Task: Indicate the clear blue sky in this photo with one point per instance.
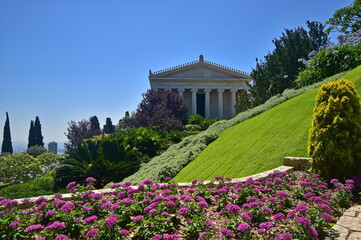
(68, 60)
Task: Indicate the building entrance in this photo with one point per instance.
(201, 102)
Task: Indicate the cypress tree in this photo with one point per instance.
(94, 126)
(37, 132)
(31, 138)
(7, 146)
(108, 127)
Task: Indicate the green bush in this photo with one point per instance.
(330, 61)
(108, 159)
(35, 150)
(200, 121)
(35, 187)
(335, 136)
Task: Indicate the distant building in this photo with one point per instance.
(209, 88)
(53, 147)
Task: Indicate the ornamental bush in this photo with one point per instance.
(334, 142)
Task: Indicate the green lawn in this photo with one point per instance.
(260, 143)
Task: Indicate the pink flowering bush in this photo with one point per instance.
(279, 206)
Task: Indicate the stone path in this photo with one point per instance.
(348, 227)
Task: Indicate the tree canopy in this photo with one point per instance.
(347, 19)
(167, 110)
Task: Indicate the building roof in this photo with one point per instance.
(200, 63)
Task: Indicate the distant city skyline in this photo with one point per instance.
(69, 60)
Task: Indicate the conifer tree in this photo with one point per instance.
(31, 138)
(7, 146)
(108, 127)
(94, 126)
(334, 142)
(37, 132)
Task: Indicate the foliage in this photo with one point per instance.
(78, 131)
(329, 61)
(7, 146)
(166, 110)
(243, 101)
(202, 122)
(125, 122)
(107, 159)
(347, 19)
(278, 206)
(108, 127)
(147, 142)
(43, 185)
(20, 167)
(35, 150)
(335, 137)
(279, 69)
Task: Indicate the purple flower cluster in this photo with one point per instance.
(279, 206)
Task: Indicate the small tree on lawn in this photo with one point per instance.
(166, 110)
(334, 142)
(7, 146)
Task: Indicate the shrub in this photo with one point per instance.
(108, 159)
(200, 121)
(335, 136)
(35, 150)
(329, 61)
(39, 186)
(166, 110)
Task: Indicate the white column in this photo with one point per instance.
(207, 103)
(233, 102)
(180, 91)
(194, 101)
(220, 103)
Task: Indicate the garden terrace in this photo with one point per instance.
(280, 205)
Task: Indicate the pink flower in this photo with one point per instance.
(70, 185)
(55, 225)
(124, 232)
(242, 227)
(137, 218)
(34, 228)
(90, 180)
(156, 237)
(14, 224)
(92, 233)
(60, 237)
(233, 208)
(90, 219)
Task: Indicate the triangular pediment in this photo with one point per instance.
(200, 72)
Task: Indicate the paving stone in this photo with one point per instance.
(355, 236)
(349, 213)
(351, 223)
(338, 232)
(356, 208)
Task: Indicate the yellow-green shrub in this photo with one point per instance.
(335, 136)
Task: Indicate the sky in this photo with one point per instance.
(72, 59)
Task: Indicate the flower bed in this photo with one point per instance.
(279, 206)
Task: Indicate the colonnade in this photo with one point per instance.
(207, 92)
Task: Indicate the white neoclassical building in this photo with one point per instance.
(210, 89)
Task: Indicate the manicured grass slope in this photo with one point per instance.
(260, 143)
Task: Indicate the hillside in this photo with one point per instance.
(259, 143)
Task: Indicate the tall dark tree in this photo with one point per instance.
(37, 133)
(7, 146)
(108, 127)
(31, 138)
(94, 125)
(279, 69)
